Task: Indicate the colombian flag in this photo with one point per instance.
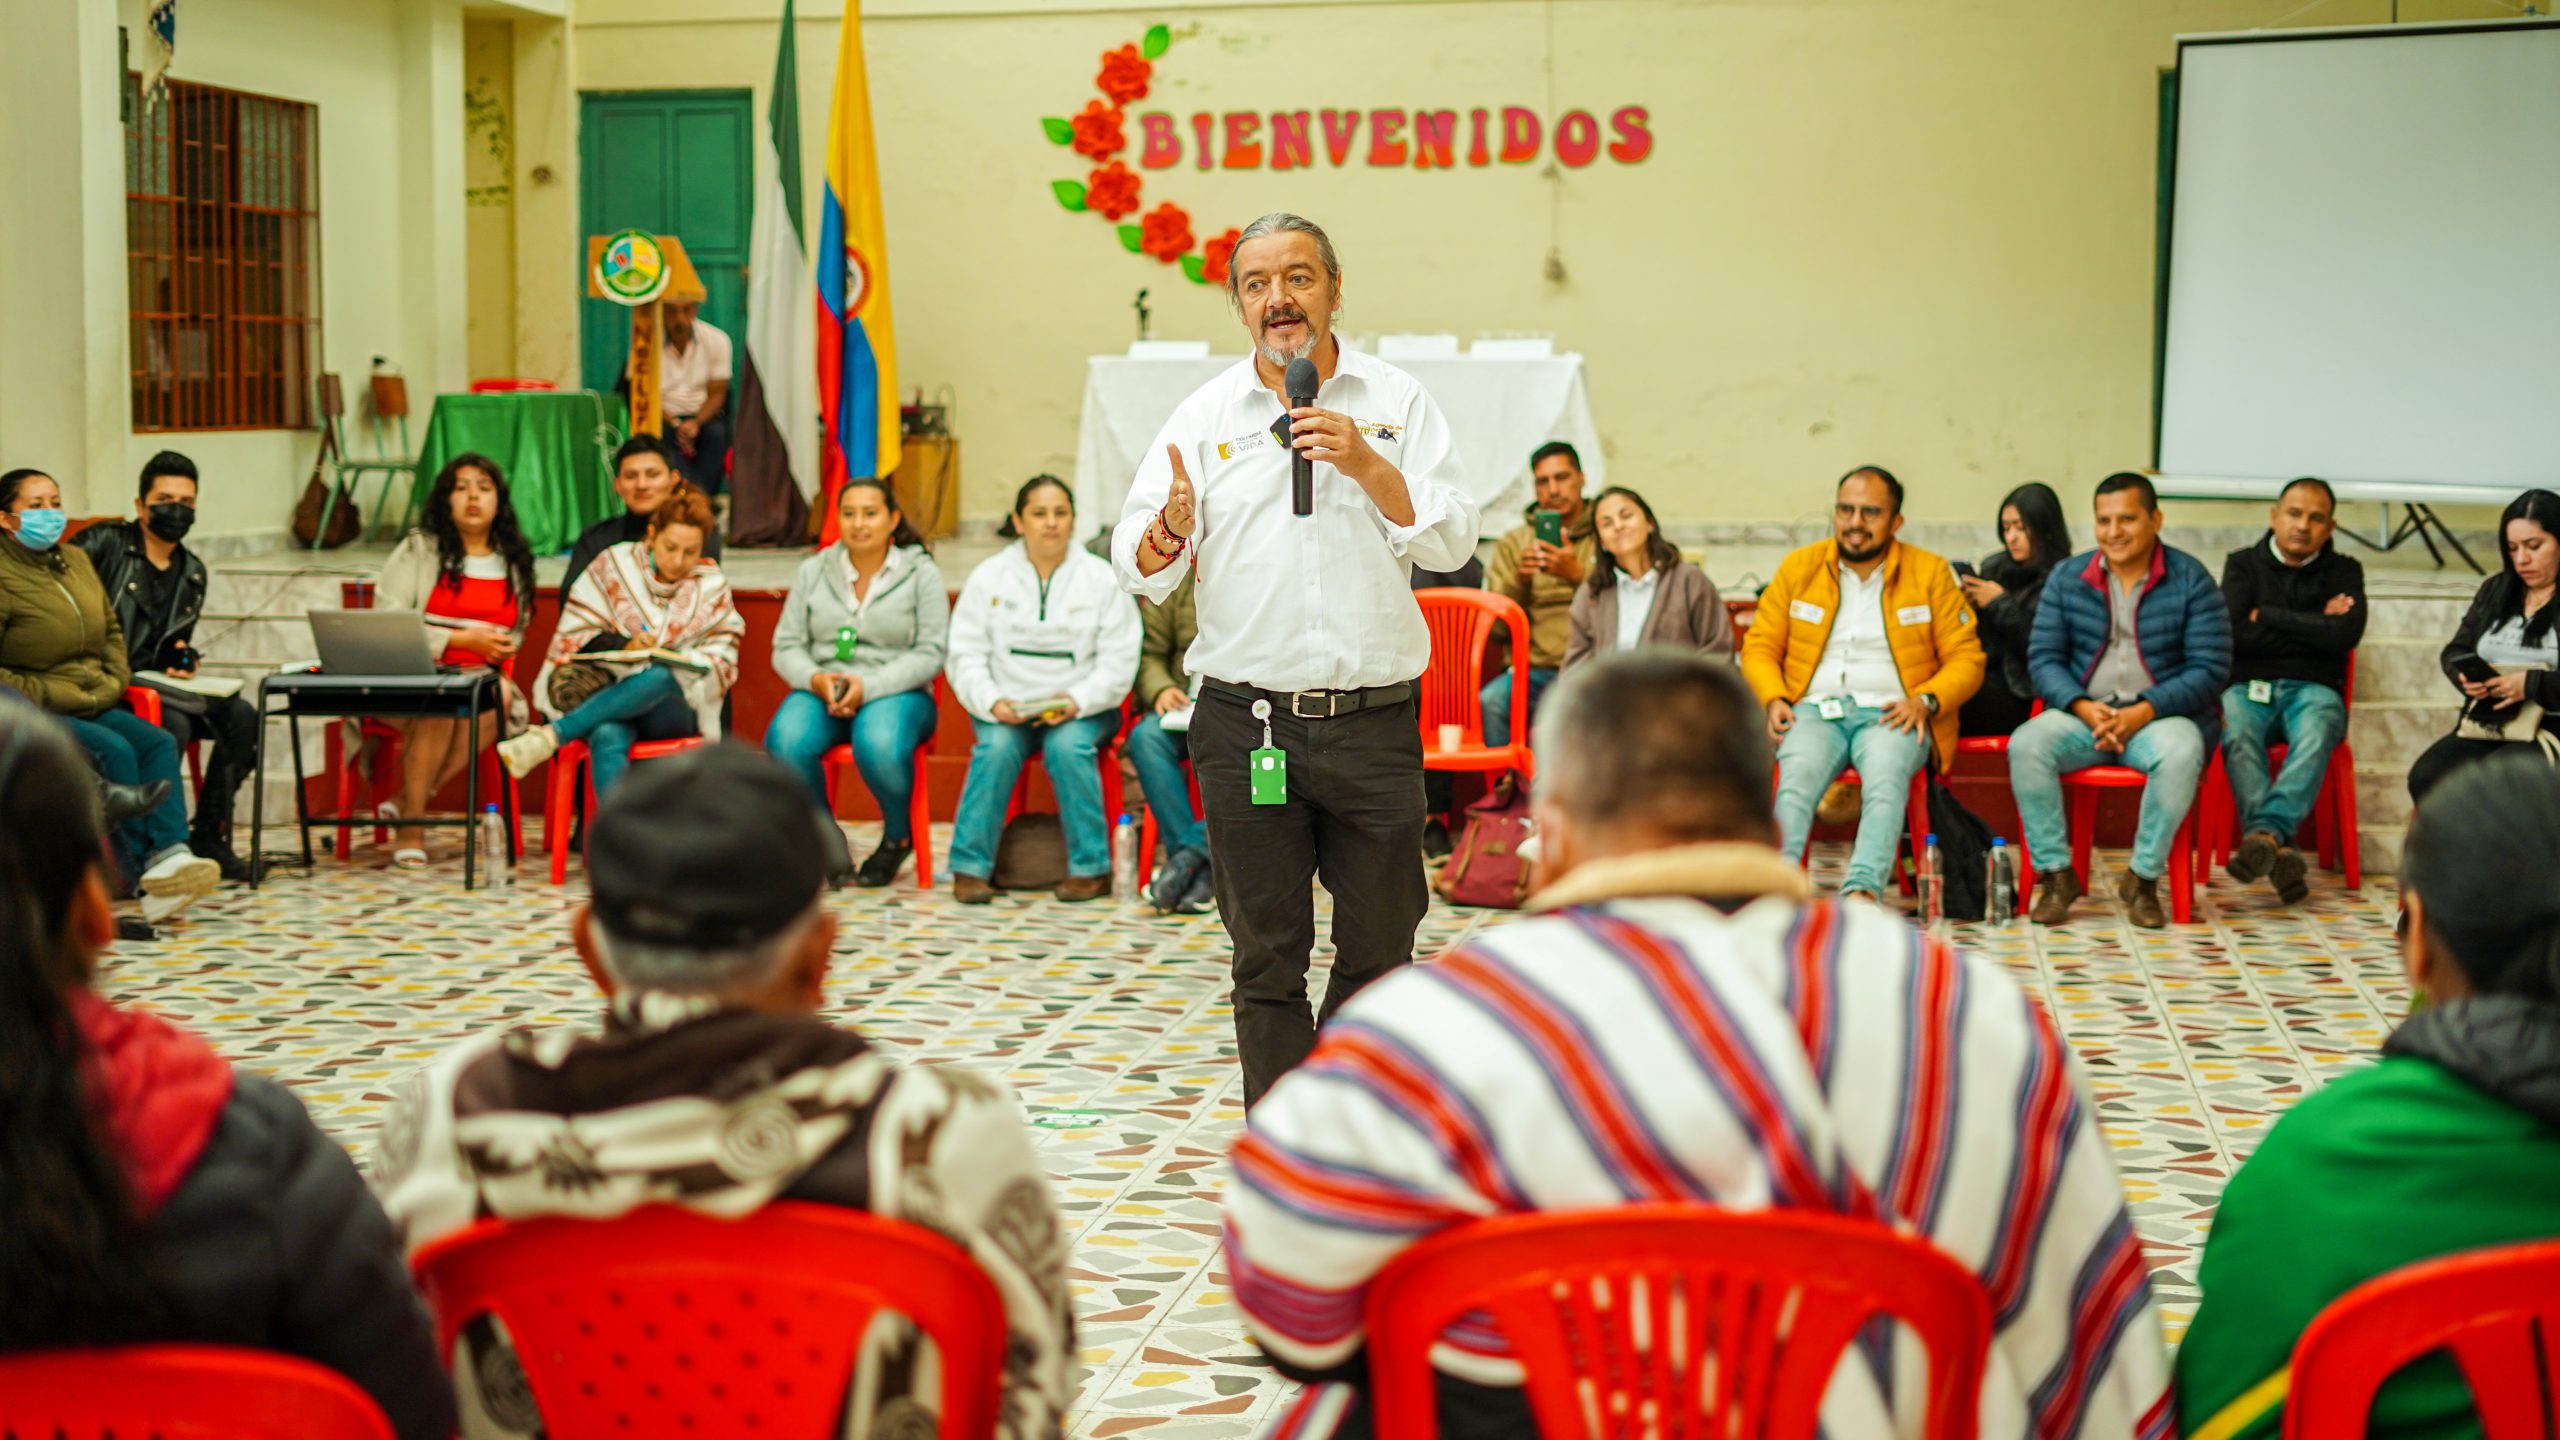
(857, 347)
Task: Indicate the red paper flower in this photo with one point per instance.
(1111, 191)
(1217, 255)
(1124, 75)
(1165, 233)
(1098, 131)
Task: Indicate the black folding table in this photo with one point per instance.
(459, 695)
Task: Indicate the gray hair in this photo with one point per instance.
(685, 970)
(1662, 737)
(1280, 222)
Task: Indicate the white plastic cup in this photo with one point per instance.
(1452, 737)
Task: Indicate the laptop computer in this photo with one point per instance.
(376, 642)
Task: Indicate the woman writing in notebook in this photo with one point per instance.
(646, 650)
(468, 569)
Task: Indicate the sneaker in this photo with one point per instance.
(1202, 894)
(972, 889)
(1860, 894)
(2291, 875)
(528, 750)
(2255, 857)
(1174, 880)
(177, 879)
(2141, 897)
(882, 865)
(2055, 890)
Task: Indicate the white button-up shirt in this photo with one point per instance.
(1635, 606)
(1320, 602)
(1857, 661)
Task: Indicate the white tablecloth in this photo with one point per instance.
(1501, 408)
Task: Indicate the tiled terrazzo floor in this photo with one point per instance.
(1113, 1026)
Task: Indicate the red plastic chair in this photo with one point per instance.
(495, 781)
(568, 768)
(182, 1392)
(509, 385)
(1915, 814)
(665, 1322)
(144, 701)
(2333, 815)
(1674, 1319)
(1461, 623)
(919, 808)
(2080, 790)
(1106, 755)
(2497, 1310)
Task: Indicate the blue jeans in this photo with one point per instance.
(885, 735)
(1158, 753)
(1497, 702)
(2169, 751)
(2311, 719)
(132, 751)
(1068, 750)
(647, 706)
(1812, 754)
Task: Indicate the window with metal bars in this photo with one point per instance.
(222, 237)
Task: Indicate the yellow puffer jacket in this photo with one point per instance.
(1937, 649)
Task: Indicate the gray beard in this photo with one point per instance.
(1281, 357)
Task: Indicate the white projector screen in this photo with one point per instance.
(2364, 260)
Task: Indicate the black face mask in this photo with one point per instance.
(171, 521)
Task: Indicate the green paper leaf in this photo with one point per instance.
(1060, 132)
(1070, 193)
(1197, 268)
(1129, 238)
(1159, 39)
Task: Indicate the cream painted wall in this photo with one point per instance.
(488, 176)
(1919, 233)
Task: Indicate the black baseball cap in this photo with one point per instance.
(709, 849)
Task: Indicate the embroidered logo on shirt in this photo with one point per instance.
(1243, 444)
(1378, 430)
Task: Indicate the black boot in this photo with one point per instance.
(131, 802)
(213, 842)
(881, 866)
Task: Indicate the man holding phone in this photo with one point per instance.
(1540, 563)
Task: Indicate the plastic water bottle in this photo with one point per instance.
(1124, 858)
(2000, 886)
(491, 834)
(1933, 891)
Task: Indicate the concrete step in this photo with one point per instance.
(2390, 734)
(2390, 668)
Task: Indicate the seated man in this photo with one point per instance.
(157, 587)
(644, 474)
(1683, 1025)
(2297, 615)
(1542, 578)
(715, 1085)
(693, 387)
(2130, 652)
(1182, 883)
(1863, 651)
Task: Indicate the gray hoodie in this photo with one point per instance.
(899, 633)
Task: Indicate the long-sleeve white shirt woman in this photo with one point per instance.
(1014, 637)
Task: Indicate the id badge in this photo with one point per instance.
(1831, 708)
(845, 635)
(1270, 776)
(2262, 692)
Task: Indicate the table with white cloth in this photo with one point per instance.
(1500, 408)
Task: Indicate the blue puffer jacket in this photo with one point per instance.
(2180, 624)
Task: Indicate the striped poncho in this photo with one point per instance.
(1640, 1044)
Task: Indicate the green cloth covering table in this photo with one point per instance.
(556, 447)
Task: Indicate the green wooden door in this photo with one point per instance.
(672, 162)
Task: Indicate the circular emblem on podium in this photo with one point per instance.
(633, 269)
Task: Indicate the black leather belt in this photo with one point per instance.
(1318, 704)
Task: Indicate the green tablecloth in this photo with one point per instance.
(556, 447)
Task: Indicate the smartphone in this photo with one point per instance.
(1548, 526)
(1964, 570)
(2476, 670)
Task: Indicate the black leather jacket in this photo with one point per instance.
(116, 549)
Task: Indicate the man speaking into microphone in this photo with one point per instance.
(1307, 739)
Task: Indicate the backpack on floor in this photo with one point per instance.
(1964, 853)
(1485, 868)
(1031, 854)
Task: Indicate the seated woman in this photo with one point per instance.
(1640, 591)
(468, 565)
(2451, 1141)
(654, 593)
(61, 646)
(861, 637)
(151, 1192)
(1044, 646)
(2509, 630)
(2005, 591)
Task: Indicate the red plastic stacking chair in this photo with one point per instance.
(2497, 1310)
(1461, 623)
(181, 1392)
(1674, 1320)
(568, 768)
(664, 1322)
(1106, 755)
(1915, 817)
(144, 701)
(919, 809)
(2080, 790)
(2333, 815)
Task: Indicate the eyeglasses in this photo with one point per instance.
(1869, 513)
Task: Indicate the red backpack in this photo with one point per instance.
(1486, 869)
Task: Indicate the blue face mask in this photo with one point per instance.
(42, 529)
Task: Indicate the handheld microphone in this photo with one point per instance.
(1301, 383)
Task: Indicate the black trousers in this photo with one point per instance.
(707, 468)
(2452, 753)
(231, 724)
(1354, 818)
